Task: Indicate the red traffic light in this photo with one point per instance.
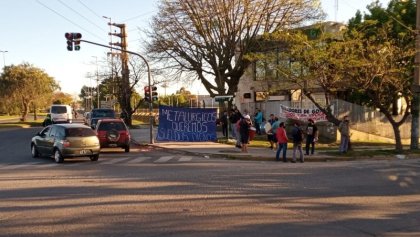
(73, 36)
(146, 89)
(69, 36)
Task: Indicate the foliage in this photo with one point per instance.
(207, 39)
(372, 59)
(25, 85)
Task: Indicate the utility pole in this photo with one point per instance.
(415, 107)
(125, 88)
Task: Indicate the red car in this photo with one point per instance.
(113, 133)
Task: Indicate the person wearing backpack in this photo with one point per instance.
(297, 137)
(311, 137)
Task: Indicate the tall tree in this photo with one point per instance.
(24, 83)
(208, 39)
(376, 66)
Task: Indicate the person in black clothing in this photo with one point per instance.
(224, 121)
(297, 136)
(311, 136)
(244, 126)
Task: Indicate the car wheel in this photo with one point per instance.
(58, 157)
(34, 151)
(94, 157)
(127, 148)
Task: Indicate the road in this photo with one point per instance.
(151, 192)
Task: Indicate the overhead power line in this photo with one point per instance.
(81, 15)
(93, 12)
(67, 19)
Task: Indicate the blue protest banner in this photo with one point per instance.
(186, 124)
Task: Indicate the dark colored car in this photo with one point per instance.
(97, 114)
(66, 140)
(113, 133)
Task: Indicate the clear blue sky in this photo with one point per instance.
(33, 31)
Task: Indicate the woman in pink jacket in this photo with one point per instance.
(282, 142)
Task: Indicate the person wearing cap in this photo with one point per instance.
(244, 127)
(311, 137)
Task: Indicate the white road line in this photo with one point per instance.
(163, 159)
(14, 167)
(114, 161)
(138, 160)
(185, 158)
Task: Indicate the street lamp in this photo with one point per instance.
(4, 59)
(97, 81)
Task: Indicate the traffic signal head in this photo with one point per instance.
(154, 93)
(147, 94)
(73, 37)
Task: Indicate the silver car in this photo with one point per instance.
(64, 141)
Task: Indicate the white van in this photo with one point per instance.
(61, 114)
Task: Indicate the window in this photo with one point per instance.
(79, 132)
(58, 109)
(112, 126)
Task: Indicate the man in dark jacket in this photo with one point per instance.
(297, 136)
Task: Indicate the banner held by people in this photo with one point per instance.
(302, 114)
(186, 124)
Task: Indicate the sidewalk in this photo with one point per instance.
(220, 150)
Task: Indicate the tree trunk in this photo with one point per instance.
(397, 134)
(25, 111)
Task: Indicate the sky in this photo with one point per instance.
(32, 31)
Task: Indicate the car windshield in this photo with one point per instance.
(103, 114)
(79, 132)
(58, 109)
(119, 126)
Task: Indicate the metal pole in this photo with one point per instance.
(4, 58)
(415, 111)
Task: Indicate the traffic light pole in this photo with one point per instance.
(151, 120)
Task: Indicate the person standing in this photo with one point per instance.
(269, 132)
(297, 136)
(311, 137)
(344, 128)
(282, 142)
(274, 128)
(224, 122)
(258, 119)
(244, 127)
(233, 118)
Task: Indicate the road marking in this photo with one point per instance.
(163, 159)
(138, 160)
(185, 158)
(115, 160)
(13, 167)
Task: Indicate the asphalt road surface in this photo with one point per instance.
(150, 192)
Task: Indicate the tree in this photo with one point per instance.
(377, 66)
(24, 84)
(207, 39)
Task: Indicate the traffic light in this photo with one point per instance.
(73, 37)
(69, 37)
(154, 93)
(76, 38)
(147, 97)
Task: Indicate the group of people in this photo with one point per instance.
(277, 135)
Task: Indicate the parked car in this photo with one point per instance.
(113, 133)
(86, 118)
(97, 114)
(64, 141)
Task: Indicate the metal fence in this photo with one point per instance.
(362, 118)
